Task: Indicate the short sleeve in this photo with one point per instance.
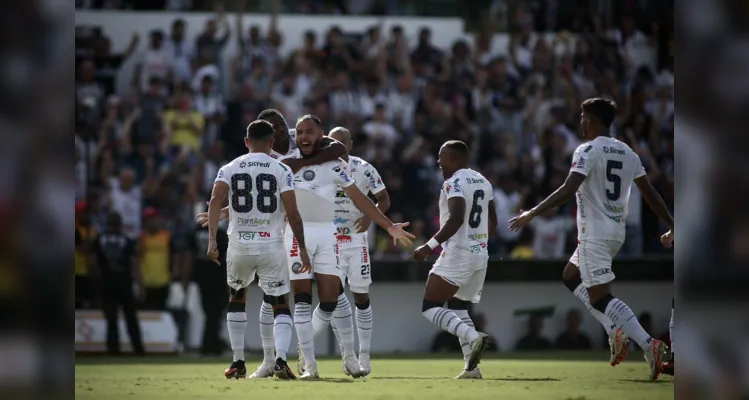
(582, 161)
(223, 175)
(639, 168)
(452, 188)
(341, 175)
(287, 179)
(374, 184)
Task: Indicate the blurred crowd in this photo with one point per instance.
(151, 152)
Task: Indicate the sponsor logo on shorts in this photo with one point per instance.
(294, 252)
(276, 284)
(235, 281)
(477, 248)
(296, 267)
(248, 235)
(308, 175)
(604, 271)
(252, 221)
(365, 255)
(340, 221)
(344, 238)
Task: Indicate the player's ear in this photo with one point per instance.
(247, 143)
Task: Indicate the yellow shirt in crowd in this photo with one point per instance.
(183, 132)
(81, 263)
(155, 258)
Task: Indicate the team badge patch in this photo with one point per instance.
(296, 267)
(308, 175)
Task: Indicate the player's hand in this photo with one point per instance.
(306, 263)
(362, 224)
(421, 253)
(213, 251)
(521, 220)
(294, 163)
(399, 235)
(667, 239)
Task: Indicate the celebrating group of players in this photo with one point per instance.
(307, 180)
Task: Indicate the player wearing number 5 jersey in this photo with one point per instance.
(467, 215)
(261, 196)
(601, 177)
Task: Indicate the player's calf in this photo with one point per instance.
(236, 321)
(364, 322)
(460, 308)
(303, 326)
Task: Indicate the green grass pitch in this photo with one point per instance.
(574, 376)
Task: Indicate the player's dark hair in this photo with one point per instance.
(457, 146)
(312, 117)
(266, 115)
(602, 110)
(259, 130)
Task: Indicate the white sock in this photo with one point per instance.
(344, 325)
(671, 331)
(447, 320)
(282, 334)
(465, 346)
(364, 328)
(581, 292)
(624, 318)
(335, 332)
(237, 324)
(266, 334)
(304, 332)
(320, 320)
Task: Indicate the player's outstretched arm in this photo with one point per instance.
(383, 204)
(655, 201)
(559, 197)
(297, 226)
(365, 205)
(218, 196)
(457, 208)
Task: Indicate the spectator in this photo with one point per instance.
(126, 200)
(207, 43)
(84, 233)
(155, 255)
(184, 127)
(550, 234)
(89, 93)
(524, 249)
(155, 62)
(117, 264)
(572, 338)
(146, 120)
(209, 103)
(507, 202)
(533, 339)
(181, 51)
(379, 129)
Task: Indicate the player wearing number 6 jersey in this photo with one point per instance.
(261, 196)
(467, 215)
(601, 177)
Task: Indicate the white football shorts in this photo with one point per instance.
(466, 271)
(270, 267)
(322, 248)
(593, 258)
(355, 266)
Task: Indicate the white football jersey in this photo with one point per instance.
(368, 180)
(256, 212)
(293, 150)
(316, 187)
(610, 166)
(478, 192)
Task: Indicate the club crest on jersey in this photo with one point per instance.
(296, 267)
(308, 175)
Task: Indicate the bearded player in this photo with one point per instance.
(316, 187)
(601, 177)
(467, 215)
(260, 189)
(353, 243)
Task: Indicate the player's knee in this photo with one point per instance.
(275, 300)
(236, 307)
(427, 305)
(361, 300)
(328, 306)
(237, 295)
(458, 304)
(282, 310)
(302, 298)
(601, 303)
(572, 282)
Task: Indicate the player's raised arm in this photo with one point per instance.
(331, 150)
(288, 197)
(218, 196)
